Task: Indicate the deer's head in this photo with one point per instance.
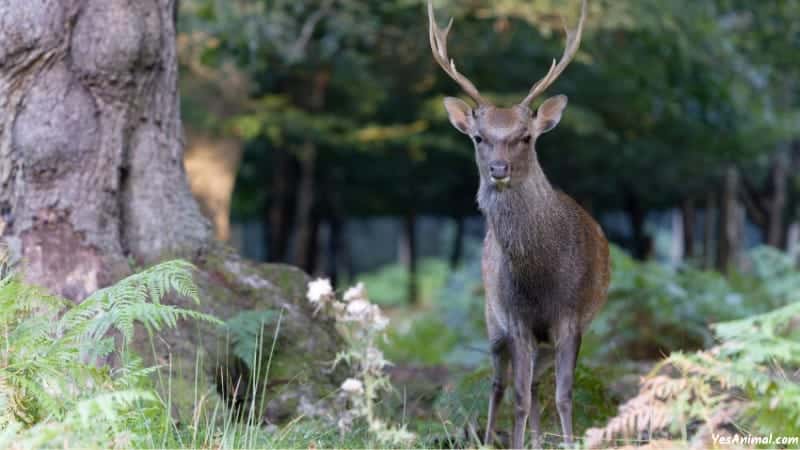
(504, 138)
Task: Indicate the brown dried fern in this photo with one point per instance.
(677, 393)
(642, 416)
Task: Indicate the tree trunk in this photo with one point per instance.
(730, 222)
(776, 203)
(767, 206)
(278, 211)
(91, 151)
(92, 175)
(312, 249)
(458, 244)
(334, 253)
(641, 243)
(689, 219)
(337, 249)
(305, 203)
(677, 249)
(793, 241)
(408, 254)
(307, 157)
(211, 166)
(709, 225)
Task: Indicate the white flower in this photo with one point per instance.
(379, 321)
(358, 308)
(319, 289)
(374, 361)
(353, 386)
(339, 307)
(357, 292)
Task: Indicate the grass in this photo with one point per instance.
(440, 345)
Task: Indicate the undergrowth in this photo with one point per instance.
(653, 309)
(737, 376)
(746, 384)
(57, 388)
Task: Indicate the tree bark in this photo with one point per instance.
(91, 148)
(731, 223)
(92, 175)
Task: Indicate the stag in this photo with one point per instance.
(545, 261)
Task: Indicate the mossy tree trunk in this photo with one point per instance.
(91, 149)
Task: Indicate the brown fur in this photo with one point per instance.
(545, 264)
(545, 260)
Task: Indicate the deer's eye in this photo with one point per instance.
(478, 139)
(527, 139)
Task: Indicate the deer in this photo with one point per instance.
(545, 262)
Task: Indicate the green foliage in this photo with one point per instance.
(653, 309)
(465, 403)
(248, 331)
(450, 328)
(52, 392)
(388, 286)
(688, 87)
(745, 385)
(761, 354)
(424, 340)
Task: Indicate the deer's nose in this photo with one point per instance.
(498, 170)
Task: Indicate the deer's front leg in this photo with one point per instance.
(499, 380)
(522, 367)
(542, 360)
(566, 357)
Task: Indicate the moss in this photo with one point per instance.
(299, 364)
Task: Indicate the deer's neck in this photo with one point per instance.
(523, 217)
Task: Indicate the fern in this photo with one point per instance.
(745, 384)
(248, 330)
(51, 391)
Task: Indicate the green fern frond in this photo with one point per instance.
(51, 391)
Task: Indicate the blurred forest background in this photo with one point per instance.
(315, 136)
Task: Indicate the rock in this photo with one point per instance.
(294, 379)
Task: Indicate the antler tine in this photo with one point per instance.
(573, 42)
(438, 37)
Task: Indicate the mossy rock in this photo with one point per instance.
(200, 358)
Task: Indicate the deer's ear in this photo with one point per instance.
(460, 114)
(549, 113)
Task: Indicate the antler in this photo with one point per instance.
(573, 42)
(438, 38)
